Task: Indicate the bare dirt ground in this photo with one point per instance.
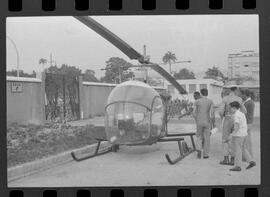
(146, 165)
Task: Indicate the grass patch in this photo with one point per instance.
(27, 143)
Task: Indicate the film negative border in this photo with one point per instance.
(139, 7)
(50, 7)
(185, 192)
(83, 5)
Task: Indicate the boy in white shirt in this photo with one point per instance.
(237, 136)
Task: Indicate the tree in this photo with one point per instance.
(43, 62)
(214, 73)
(184, 74)
(59, 82)
(72, 83)
(89, 75)
(117, 71)
(53, 87)
(169, 58)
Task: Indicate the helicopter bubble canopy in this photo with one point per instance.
(134, 114)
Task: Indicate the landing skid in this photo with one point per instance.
(113, 148)
(178, 158)
(183, 148)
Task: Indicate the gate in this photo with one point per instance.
(62, 97)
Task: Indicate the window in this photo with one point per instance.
(192, 88)
(203, 86)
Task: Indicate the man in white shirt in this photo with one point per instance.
(238, 135)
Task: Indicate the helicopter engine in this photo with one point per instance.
(134, 114)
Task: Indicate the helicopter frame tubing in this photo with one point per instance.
(112, 148)
(184, 150)
(178, 137)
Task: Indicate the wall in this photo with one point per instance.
(26, 106)
(214, 89)
(94, 98)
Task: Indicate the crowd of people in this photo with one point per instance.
(236, 112)
(176, 107)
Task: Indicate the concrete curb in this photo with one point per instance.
(30, 168)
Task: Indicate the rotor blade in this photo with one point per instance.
(167, 76)
(111, 37)
(126, 49)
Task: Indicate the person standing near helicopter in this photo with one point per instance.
(196, 95)
(227, 124)
(204, 116)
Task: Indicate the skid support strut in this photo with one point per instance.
(112, 148)
(184, 150)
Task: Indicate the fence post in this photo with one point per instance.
(64, 96)
(42, 97)
(81, 97)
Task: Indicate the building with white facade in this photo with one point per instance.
(244, 64)
(214, 88)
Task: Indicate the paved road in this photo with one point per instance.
(146, 165)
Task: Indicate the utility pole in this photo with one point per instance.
(119, 73)
(17, 53)
(64, 97)
(145, 68)
(51, 60)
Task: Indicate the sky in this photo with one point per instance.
(205, 40)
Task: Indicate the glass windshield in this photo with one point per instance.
(127, 123)
(130, 93)
(157, 116)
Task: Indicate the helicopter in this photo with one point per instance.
(136, 114)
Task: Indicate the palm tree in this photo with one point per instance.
(43, 62)
(169, 58)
